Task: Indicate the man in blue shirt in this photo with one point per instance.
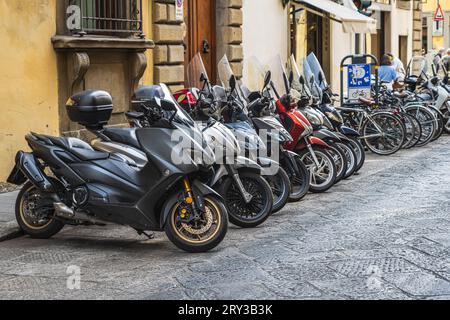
(386, 72)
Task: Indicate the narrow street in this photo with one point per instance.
(381, 235)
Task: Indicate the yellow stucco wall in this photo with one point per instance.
(28, 75)
(431, 6)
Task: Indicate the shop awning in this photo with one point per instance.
(352, 21)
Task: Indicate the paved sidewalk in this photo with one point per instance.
(381, 235)
(8, 225)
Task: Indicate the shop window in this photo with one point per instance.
(107, 17)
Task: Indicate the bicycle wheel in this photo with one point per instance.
(440, 124)
(417, 133)
(427, 122)
(413, 130)
(383, 133)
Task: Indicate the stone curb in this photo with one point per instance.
(9, 230)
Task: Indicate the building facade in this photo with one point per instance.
(55, 48)
(436, 34)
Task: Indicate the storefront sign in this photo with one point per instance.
(179, 10)
(359, 81)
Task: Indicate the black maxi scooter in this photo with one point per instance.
(88, 187)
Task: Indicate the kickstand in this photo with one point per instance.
(150, 236)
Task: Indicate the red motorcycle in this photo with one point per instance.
(312, 150)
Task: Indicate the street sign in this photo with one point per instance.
(359, 82)
(439, 14)
(179, 10)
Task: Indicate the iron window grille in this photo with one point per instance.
(110, 17)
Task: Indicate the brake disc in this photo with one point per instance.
(209, 221)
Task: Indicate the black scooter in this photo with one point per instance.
(88, 187)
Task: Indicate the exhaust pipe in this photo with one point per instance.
(63, 211)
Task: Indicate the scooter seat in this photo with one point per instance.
(78, 148)
(123, 135)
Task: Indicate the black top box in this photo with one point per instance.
(91, 109)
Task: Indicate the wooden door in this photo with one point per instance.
(200, 19)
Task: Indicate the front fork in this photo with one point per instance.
(195, 201)
(237, 180)
(313, 154)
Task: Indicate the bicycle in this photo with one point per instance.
(382, 132)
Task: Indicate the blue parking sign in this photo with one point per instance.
(359, 81)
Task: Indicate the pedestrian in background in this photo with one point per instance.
(386, 72)
(398, 66)
(438, 57)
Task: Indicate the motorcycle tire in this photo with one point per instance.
(186, 237)
(255, 213)
(281, 189)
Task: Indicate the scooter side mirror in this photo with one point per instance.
(302, 80)
(321, 77)
(291, 77)
(203, 78)
(267, 79)
(233, 83)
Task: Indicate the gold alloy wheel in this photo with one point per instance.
(24, 209)
(212, 218)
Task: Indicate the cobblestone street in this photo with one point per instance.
(381, 235)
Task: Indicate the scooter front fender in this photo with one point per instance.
(269, 167)
(318, 142)
(326, 135)
(349, 132)
(248, 164)
(342, 137)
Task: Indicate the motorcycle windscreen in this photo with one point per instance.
(255, 73)
(179, 115)
(418, 67)
(294, 69)
(226, 73)
(317, 70)
(195, 71)
(280, 80)
(311, 81)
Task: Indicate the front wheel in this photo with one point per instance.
(299, 177)
(253, 213)
(281, 189)
(351, 158)
(360, 153)
(447, 122)
(198, 234)
(323, 173)
(35, 213)
(340, 160)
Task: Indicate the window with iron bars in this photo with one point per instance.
(110, 17)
